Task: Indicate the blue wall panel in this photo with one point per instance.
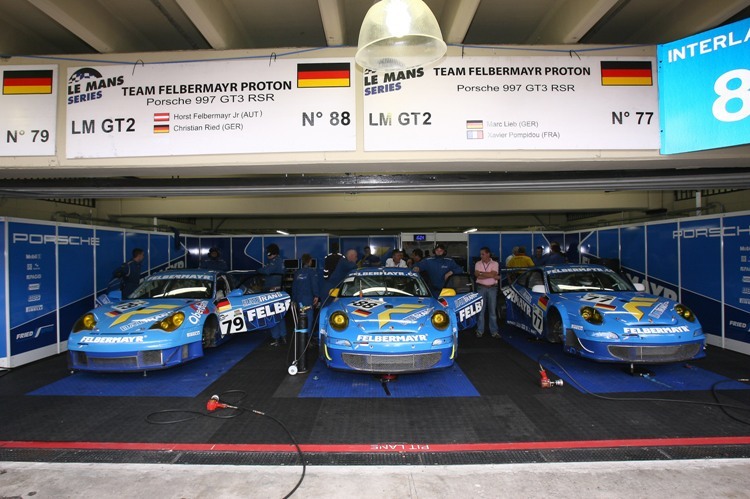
(633, 248)
(662, 251)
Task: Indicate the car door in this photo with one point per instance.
(458, 293)
(526, 303)
(251, 307)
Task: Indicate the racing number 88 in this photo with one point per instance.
(365, 304)
(727, 94)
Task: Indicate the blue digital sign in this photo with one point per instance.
(704, 90)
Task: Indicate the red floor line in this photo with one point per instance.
(380, 448)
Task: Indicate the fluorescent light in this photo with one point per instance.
(282, 232)
(473, 229)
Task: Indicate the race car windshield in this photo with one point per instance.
(572, 282)
(175, 288)
(384, 285)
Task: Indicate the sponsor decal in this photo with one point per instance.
(162, 277)
(193, 333)
(418, 315)
(659, 310)
(124, 307)
(20, 237)
(390, 338)
(656, 330)
(463, 300)
(581, 268)
(267, 310)
(366, 304)
(361, 313)
(112, 339)
(470, 311)
(577, 327)
(199, 310)
(254, 300)
(516, 299)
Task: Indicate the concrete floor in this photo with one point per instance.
(717, 478)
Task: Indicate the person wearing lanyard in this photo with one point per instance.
(487, 272)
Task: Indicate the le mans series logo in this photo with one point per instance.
(380, 83)
(86, 84)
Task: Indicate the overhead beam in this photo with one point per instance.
(456, 18)
(92, 23)
(568, 21)
(334, 22)
(215, 23)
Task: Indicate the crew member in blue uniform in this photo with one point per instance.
(438, 269)
(274, 272)
(306, 289)
(214, 261)
(130, 273)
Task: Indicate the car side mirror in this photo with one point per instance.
(115, 295)
(235, 293)
(639, 286)
(538, 288)
(447, 292)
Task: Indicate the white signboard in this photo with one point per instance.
(504, 103)
(216, 107)
(28, 115)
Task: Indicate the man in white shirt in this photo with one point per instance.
(396, 260)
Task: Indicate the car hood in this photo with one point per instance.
(373, 315)
(131, 316)
(628, 308)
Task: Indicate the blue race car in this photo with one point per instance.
(385, 320)
(598, 314)
(171, 318)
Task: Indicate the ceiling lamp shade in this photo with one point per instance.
(399, 34)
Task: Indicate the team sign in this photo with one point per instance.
(29, 110)
(494, 103)
(216, 107)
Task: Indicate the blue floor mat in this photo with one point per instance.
(599, 377)
(323, 382)
(187, 380)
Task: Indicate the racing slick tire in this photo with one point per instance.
(555, 332)
(210, 328)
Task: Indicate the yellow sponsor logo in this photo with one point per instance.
(635, 305)
(385, 316)
(154, 309)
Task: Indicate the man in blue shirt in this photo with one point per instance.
(130, 273)
(342, 269)
(438, 269)
(274, 272)
(555, 255)
(214, 261)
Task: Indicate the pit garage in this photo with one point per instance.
(178, 129)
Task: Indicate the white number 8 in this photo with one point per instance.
(726, 94)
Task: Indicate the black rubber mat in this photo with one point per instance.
(512, 408)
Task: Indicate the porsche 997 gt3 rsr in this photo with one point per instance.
(598, 314)
(171, 318)
(385, 320)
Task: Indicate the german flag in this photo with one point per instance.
(161, 128)
(627, 73)
(31, 82)
(324, 75)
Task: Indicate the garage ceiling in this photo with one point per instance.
(58, 27)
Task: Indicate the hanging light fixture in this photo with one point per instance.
(399, 34)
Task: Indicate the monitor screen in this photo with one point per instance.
(420, 237)
(291, 264)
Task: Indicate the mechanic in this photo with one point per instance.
(306, 289)
(396, 259)
(538, 255)
(438, 269)
(416, 257)
(555, 255)
(214, 261)
(274, 272)
(130, 272)
(369, 260)
(343, 268)
(487, 272)
(331, 260)
(521, 259)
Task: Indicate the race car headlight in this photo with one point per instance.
(338, 320)
(591, 315)
(698, 332)
(170, 323)
(684, 312)
(85, 323)
(340, 342)
(440, 320)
